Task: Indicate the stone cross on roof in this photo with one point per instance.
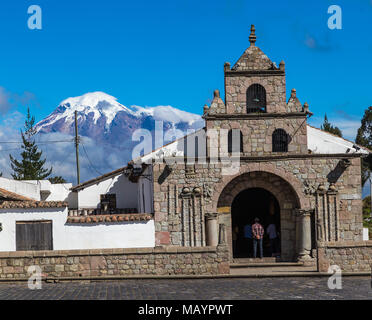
(252, 36)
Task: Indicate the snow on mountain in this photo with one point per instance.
(99, 106)
(96, 104)
(168, 113)
(110, 124)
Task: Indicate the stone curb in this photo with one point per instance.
(190, 277)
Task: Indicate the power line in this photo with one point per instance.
(91, 165)
(37, 142)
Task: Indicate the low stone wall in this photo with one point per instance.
(116, 262)
(350, 256)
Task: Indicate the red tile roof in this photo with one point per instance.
(32, 204)
(116, 218)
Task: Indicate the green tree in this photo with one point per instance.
(31, 167)
(364, 138)
(57, 179)
(326, 126)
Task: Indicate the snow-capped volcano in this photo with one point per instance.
(94, 105)
(99, 107)
(102, 118)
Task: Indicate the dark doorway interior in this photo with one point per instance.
(247, 205)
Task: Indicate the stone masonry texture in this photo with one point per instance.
(116, 262)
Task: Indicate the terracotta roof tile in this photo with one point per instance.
(113, 218)
(32, 204)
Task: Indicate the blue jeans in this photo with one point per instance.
(255, 241)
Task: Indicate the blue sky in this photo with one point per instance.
(151, 53)
(172, 52)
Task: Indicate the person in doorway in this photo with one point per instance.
(258, 232)
(273, 237)
(235, 234)
(248, 238)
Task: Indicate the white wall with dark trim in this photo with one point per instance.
(77, 236)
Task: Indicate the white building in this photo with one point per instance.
(38, 215)
(114, 210)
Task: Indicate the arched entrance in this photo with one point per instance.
(247, 205)
(286, 201)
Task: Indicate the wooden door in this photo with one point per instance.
(34, 235)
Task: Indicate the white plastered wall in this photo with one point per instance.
(77, 236)
(145, 192)
(125, 190)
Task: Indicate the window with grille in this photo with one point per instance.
(238, 146)
(280, 141)
(256, 99)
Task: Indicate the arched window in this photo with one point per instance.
(256, 98)
(280, 140)
(230, 142)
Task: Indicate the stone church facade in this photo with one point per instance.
(182, 209)
(315, 197)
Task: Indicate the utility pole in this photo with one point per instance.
(77, 140)
(370, 191)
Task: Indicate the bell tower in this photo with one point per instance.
(255, 103)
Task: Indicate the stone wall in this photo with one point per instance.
(350, 256)
(116, 262)
(236, 86)
(257, 133)
(184, 192)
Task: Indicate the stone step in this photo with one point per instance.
(255, 260)
(266, 264)
(274, 270)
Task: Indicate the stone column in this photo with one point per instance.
(303, 234)
(211, 229)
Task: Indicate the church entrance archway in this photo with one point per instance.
(247, 205)
(274, 187)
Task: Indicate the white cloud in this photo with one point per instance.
(5, 104)
(61, 155)
(9, 100)
(169, 113)
(366, 189)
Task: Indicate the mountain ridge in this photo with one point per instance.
(111, 124)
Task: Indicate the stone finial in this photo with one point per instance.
(226, 66)
(186, 190)
(321, 187)
(205, 109)
(252, 36)
(216, 93)
(332, 187)
(306, 107)
(293, 93)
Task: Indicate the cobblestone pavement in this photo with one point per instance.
(264, 288)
